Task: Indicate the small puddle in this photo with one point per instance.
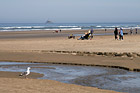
(101, 77)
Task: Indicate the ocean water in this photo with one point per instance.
(64, 26)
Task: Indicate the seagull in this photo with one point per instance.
(26, 73)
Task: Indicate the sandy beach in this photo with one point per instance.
(50, 47)
(10, 85)
(47, 40)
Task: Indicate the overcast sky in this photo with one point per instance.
(69, 11)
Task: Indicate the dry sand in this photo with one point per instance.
(59, 42)
(35, 46)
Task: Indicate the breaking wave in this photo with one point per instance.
(64, 26)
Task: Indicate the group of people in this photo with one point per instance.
(88, 35)
(71, 36)
(120, 34)
(56, 31)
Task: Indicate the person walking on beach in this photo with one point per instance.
(131, 31)
(105, 30)
(116, 33)
(60, 30)
(121, 34)
(136, 30)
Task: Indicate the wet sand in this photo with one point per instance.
(37, 46)
(101, 77)
(127, 63)
(13, 85)
(4, 74)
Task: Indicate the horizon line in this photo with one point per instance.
(61, 22)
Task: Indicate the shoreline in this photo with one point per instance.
(7, 74)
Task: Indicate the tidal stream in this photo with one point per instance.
(101, 77)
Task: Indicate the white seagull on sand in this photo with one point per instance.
(26, 73)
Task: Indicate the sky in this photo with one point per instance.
(69, 11)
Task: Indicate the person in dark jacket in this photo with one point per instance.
(116, 33)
